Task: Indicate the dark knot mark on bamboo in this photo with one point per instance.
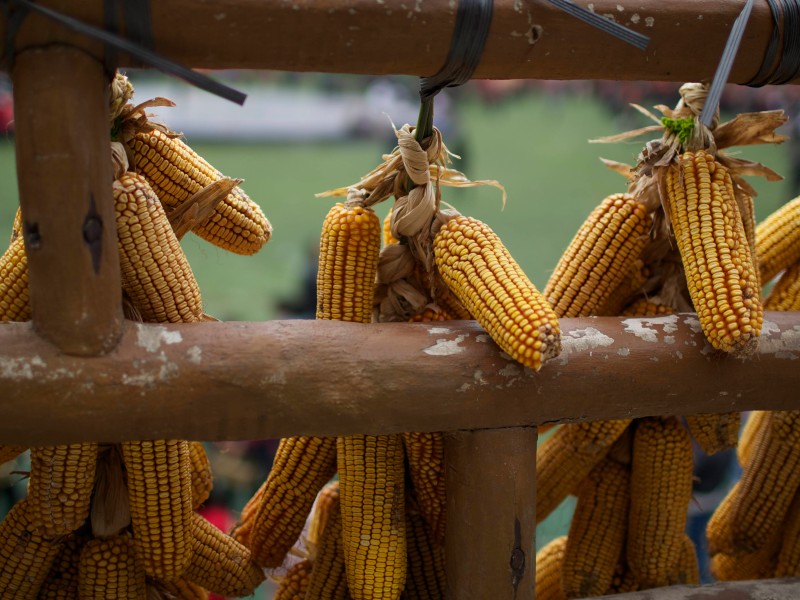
(32, 235)
(93, 233)
(517, 561)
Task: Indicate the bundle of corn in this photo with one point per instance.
(175, 173)
(778, 251)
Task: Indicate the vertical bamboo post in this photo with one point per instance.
(491, 514)
(64, 172)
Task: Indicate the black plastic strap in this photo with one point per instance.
(763, 76)
(785, 17)
(607, 25)
(119, 43)
(725, 64)
(15, 15)
(471, 29)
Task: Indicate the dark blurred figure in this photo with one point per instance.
(303, 305)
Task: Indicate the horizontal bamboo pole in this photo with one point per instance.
(235, 381)
(528, 39)
(774, 589)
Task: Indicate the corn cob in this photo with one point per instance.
(768, 483)
(661, 489)
(15, 300)
(719, 530)
(549, 569)
(243, 530)
(426, 567)
(373, 515)
(16, 226)
(597, 531)
(25, 555)
(778, 240)
(601, 254)
(9, 453)
(485, 278)
(565, 458)
(294, 585)
(643, 307)
(349, 247)
(720, 271)
(786, 293)
(180, 589)
(160, 496)
(425, 456)
(432, 314)
(155, 272)
(788, 555)
(202, 480)
(61, 582)
(219, 563)
(747, 210)
(388, 238)
(623, 580)
(109, 570)
(746, 566)
(60, 486)
(303, 465)
(687, 570)
(752, 434)
(620, 297)
(715, 432)
(328, 580)
(326, 504)
(176, 173)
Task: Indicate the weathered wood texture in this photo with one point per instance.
(64, 172)
(216, 381)
(491, 505)
(528, 38)
(768, 589)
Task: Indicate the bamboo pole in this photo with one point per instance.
(64, 171)
(229, 381)
(491, 504)
(774, 589)
(528, 39)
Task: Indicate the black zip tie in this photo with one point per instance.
(627, 35)
(725, 64)
(788, 67)
(147, 56)
(764, 74)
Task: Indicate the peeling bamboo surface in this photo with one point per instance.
(772, 589)
(527, 39)
(239, 381)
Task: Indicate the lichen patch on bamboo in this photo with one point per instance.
(151, 337)
(581, 340)
(444, 347)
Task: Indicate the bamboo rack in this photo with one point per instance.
(78, 372)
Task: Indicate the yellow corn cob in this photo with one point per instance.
(180, 589)
(720, 271)
(565, 458)
(25, 555)
(328, 580)
(630, 286)
(743, 567)
(623, 580)
(747, 210)
(61, 582)
(303, 465)
(549, 568)
(484, 277)
(786, 293)
(60, 486)
(9, 453)
(155, 272)
(243, 530)
(719, 530)
(788, 555)
(661, 489)
(642, 307)
(388, 238)
(597, 531)
(426, 569)
(15, 299)
(768, 483)
(778, 240)
(752, 434)
(160, 496)
(373, 515)
(176, 173)
(294, 585)
(431, 314)
(109, 570)
(327, 502)
(16, 226)
(348, 259)
(601, 254)
(687, 570)
(425, 456)
(715, 432)
(202, 480)
(219, 563)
